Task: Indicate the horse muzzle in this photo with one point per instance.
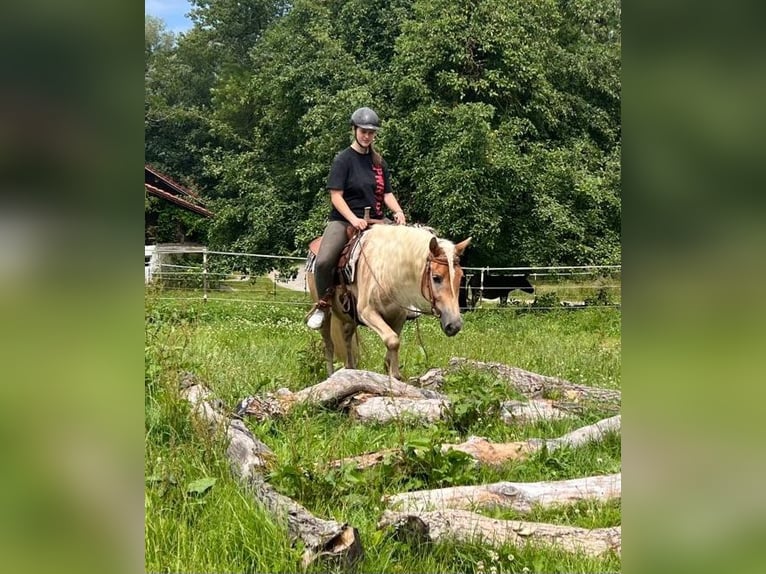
(451, 326)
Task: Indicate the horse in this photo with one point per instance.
(497, 286)
(399, 269)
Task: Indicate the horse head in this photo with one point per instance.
(441, 283)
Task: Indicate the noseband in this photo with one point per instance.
(426, 287)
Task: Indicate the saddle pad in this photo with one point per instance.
(349, 271)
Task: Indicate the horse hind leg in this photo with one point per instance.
(349, 331)
(329, 346)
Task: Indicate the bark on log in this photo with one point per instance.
(385, 409)
(489, 453)
(346, 382)
(531, 411)
(248, 458)
(518, 496)
(335, 391)
(464, 526)
(532, 385)
(494, 453)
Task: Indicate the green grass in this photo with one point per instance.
(244, 343)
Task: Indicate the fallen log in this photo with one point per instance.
(533, 385)
(532, 411)
(336, 391)
(518, 496)
(248, 458)
(489, 453)
(385, 409)
(464, 526)
(494, 453)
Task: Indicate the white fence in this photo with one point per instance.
(194, 272)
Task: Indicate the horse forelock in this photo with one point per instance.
(448, 249)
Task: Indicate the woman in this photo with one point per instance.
(358, 178)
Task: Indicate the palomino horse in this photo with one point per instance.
(399, 268)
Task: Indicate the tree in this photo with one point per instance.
(501, 118)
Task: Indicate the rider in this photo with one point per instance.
(358, 178)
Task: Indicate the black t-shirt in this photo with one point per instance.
(363, 184)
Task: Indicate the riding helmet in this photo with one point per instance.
(366, 119)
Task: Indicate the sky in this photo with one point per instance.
(172, 12)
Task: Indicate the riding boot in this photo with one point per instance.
(316, 316)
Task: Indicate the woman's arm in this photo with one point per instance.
(336, 197)
(393, 205)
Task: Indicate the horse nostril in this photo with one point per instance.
(452, 329)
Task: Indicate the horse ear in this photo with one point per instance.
(460, 247)
(434, 247)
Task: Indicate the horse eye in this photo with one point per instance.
(436, 279)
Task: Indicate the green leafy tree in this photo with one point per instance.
(501, 118)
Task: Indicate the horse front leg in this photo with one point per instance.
(390, 338)
(392, 358)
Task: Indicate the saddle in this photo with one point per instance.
(344, 270)
(353, 236)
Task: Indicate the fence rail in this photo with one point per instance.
(195, 273)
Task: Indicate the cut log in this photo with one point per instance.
(518, 496)
(335, 392)
(465, 526)
(347, 382)
(489, 453)
(584, 435)
(248, 458)
(532, 385)
(385, 409)
(532, 411)
(493, 453)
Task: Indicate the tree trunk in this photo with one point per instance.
(518, 496)
(337, 391)
(248, 458)
(464, 526)
(385, 409)
(489, 453)
(532, 385)
(513, 412)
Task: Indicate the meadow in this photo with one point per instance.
(253, 340)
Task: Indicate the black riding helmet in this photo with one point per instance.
(366, 119)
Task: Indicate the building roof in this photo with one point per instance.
(160, 185)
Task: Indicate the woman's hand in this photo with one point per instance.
(359, 223)
(399, 218)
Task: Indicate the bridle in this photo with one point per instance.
(426, 284)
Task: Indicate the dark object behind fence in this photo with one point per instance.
(493, 287)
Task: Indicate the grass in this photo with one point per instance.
(243, 343)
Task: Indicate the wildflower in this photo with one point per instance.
(480, 566)
(494, 556)
(525, 570)
(511, 558)
(493, 570)
(599, 460)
